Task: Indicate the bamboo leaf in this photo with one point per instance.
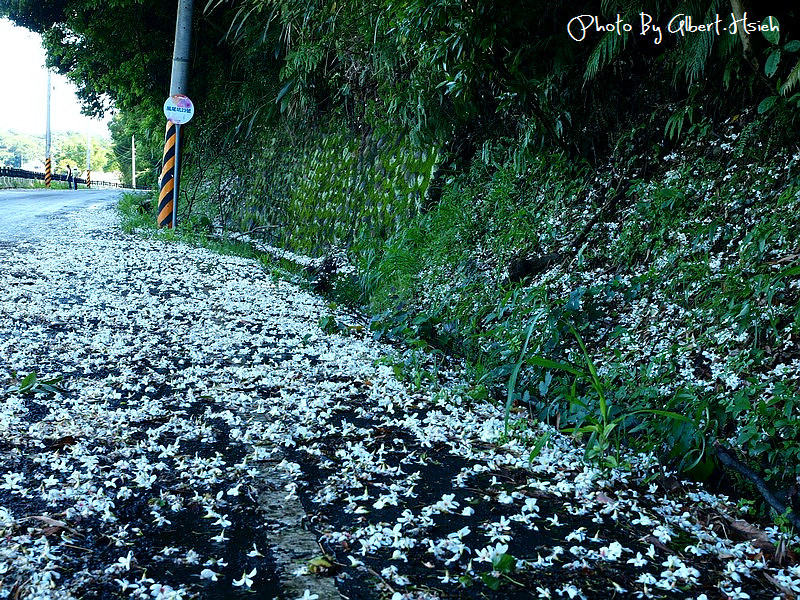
(546, 363)
(512, 381)
(284, 90)
(537, 447)
(664, 413)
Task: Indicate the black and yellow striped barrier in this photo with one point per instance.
(48, 171)
(166, 195)
(88, 179)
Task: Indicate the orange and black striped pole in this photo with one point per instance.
(178, 110)
(166, 195)
(88, 160)
(48, 163)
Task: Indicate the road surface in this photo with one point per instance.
(26, 213)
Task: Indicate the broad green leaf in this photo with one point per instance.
(465, 580)
(771, 66)
(584, 429)
(766, 104)
(792, 46)
(773, 37)
(664, 413)
(28, 381)
(492, 582)
(789, 272)
(504, 563)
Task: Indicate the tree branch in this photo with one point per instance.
(729, 460)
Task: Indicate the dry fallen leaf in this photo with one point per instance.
(757, 537)
(786, 592)
(56, 526)
(651, 539)
(322, 565)
(62, 442)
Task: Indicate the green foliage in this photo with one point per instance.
(67, 148)
(603, 430)
(31, 385)
(503, 565)
(330, 325)
(137, 211)
(17, 149)
(147, 126)
(326, 190)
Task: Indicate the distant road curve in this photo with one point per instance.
(25, 213)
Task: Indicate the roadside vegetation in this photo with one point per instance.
(16, 182)
(17, 149)
(177, 424)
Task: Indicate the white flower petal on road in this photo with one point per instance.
(246, 579)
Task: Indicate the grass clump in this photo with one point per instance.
(138, 215)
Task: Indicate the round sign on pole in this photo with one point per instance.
(178, 109)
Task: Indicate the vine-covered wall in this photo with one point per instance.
(331, 187)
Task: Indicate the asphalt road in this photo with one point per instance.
(25, 214)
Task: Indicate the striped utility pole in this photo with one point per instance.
(48, 164)
(166, 194)
(88, 159)
(169, 182)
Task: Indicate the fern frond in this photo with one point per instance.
(608, 48)
(695, 49)
(698, 50)
(792, 80)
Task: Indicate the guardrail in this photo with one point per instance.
(23, 174)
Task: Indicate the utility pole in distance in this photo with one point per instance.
(88, 159)
(169, 182)
(48, 162)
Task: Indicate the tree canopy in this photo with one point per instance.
(68, 148)
(447, 72)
